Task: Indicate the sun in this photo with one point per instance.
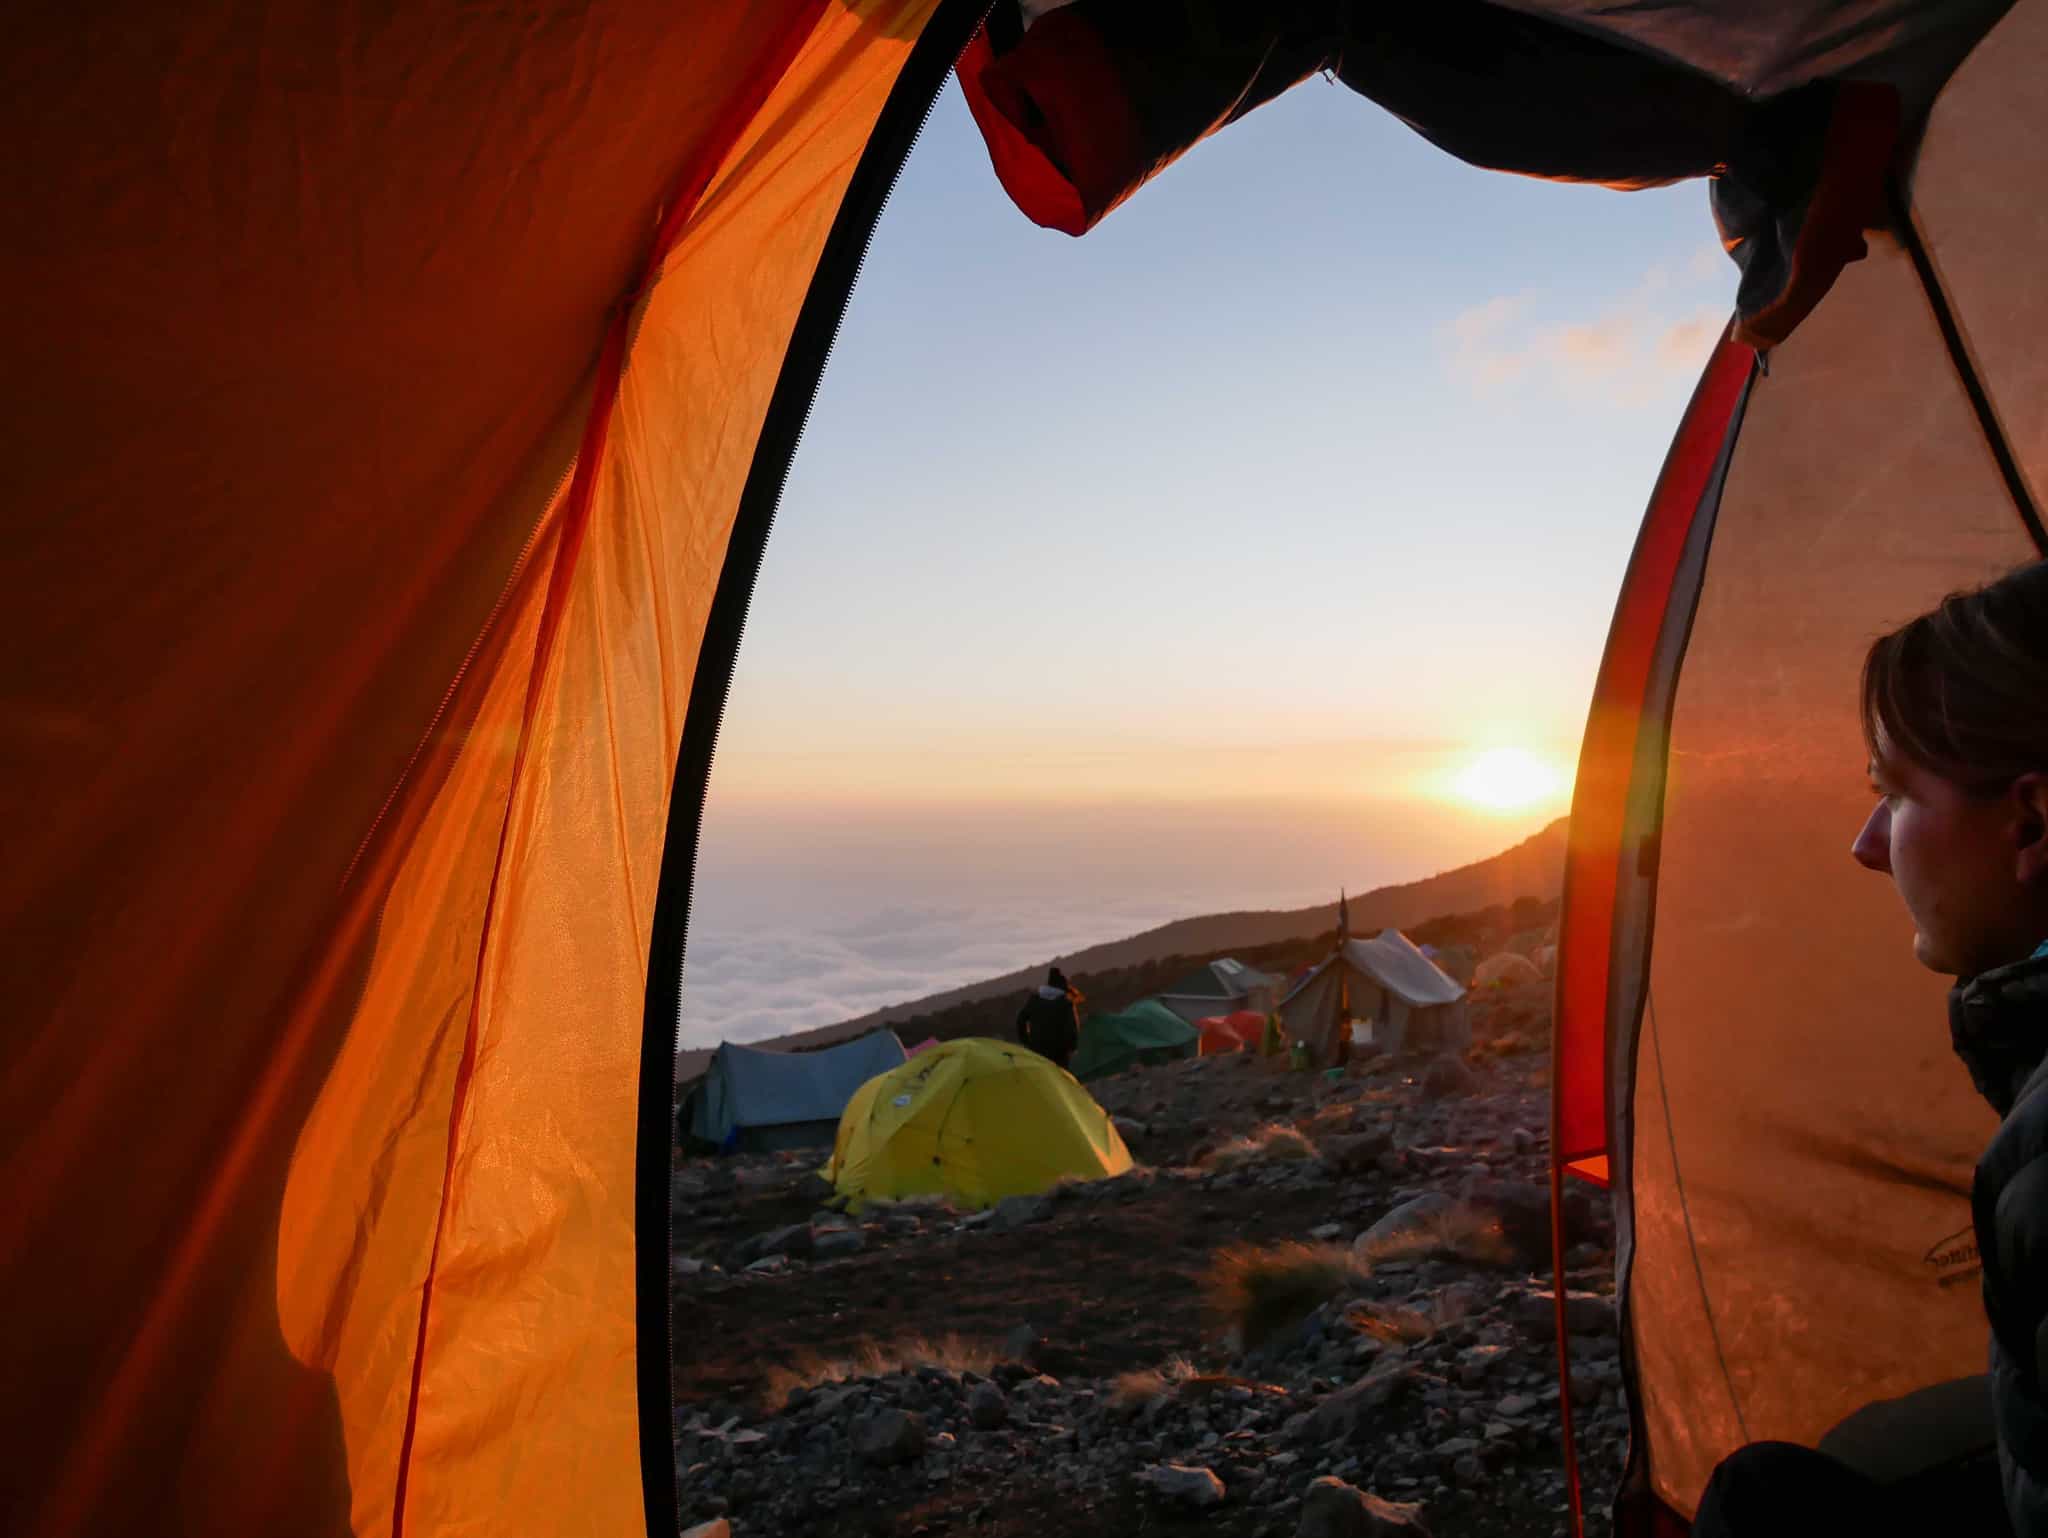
(1507, 780)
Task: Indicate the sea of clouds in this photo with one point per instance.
(807, 918)
(758, 979)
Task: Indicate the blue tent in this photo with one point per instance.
(754, 1099)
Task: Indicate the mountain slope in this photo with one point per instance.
(1532, 868)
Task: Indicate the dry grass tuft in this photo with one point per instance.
(1257, 1291)
(1463, 1232)
(1275, 1140)
(1399, 1324)
(1142, 1385)
(876, 1359)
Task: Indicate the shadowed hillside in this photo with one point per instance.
(1119, 971)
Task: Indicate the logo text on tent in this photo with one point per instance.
(1955, 1257)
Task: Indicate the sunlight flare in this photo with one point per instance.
(1508, 780)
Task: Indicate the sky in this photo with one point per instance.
(1186, 565)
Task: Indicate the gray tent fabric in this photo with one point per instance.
(1221, 986)
(758, 1100)
(1765, 47)
(1410, 1002)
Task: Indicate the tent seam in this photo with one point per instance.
(1692, 1242)
(687, 192)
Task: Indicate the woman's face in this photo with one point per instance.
(1967, 867)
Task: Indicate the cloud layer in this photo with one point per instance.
(1657, 334)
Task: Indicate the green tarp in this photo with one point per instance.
(1147, 1032)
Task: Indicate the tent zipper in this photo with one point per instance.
(897, 130)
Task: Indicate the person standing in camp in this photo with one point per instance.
(1050, 1021)
(1955, 719)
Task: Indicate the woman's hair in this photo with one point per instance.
(1963, 690)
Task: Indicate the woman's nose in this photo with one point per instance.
(1873, 847)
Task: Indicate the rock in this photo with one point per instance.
(1516, 1404)
(1585, 1313)
(841, 1241)
(1522, 1211)
(1017, 1211)
(1419, 1216)
(1020, 1343)
(1359, 1151)
(1447, 1076)
(986, 1406)
(1334, 1509)
(1128, 1129)
(717, 1527)
(793, 1240)
(1337, 1417)
(1184, 1485)
(889, 1437)
(768, 1265)
(1326, 1231)
(814, 1188)
(685, 1265)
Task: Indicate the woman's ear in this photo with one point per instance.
(2030, 795)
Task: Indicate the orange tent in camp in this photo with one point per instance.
(399, 403)
(1237, 1031)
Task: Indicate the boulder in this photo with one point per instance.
(1183, 1484)
(1333, 1509)
(889, 1437)
(838, 1241)
(1019, 1344)
(792, 1240)
(1352, 1153)
(1447, 1076)
(1017, 1211)
(1337, 1417)
(1585, 1313)
(987, 1408)
(1418, 1215)
(1522, 1211)
(815, 1188)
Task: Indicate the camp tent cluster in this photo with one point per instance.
(398, 404)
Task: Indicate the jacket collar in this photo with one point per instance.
(1998, 1022)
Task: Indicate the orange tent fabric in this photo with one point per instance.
(329, 930)
(1237, 1031)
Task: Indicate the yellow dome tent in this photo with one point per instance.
(976, 1119)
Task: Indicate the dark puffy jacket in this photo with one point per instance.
(1048, 1025)
(1999, 1023)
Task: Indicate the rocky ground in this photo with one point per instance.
(1318, 1308)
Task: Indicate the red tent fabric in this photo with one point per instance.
(1237, 1031)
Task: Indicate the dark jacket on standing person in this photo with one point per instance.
(1049, 1023)
(1999, 1023)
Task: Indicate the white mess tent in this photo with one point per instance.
(1410, 1002)
(754, 1099)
